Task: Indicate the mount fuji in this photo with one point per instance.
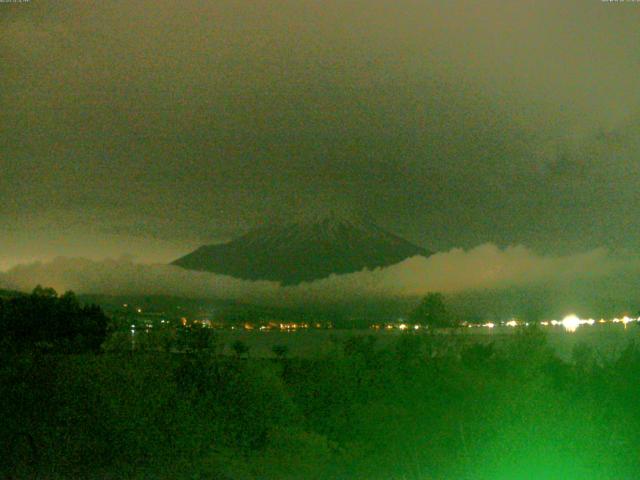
(302, 250)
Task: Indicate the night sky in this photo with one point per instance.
(150, 127)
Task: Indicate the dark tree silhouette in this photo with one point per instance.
(202, 339)
(432, 311)
(45, 321)
(240, 348)
(280, 351)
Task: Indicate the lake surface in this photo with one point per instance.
(607, 340)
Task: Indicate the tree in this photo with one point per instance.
(432, 311)
(202, 339)
(48, 322)
(280, 351)
(240, 348)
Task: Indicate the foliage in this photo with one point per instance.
(280, 351)
(46, 321)
(412, 409)
(431, 311)
(240, 348)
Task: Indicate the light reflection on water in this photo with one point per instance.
(607, 340)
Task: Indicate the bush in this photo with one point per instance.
(47, 322)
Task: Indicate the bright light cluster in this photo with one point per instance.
(570, 323)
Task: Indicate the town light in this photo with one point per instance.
(571, 323)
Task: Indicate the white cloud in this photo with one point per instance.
(483, 267)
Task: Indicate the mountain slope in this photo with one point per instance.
(303, 250)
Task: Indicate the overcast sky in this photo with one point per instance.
(149, 127)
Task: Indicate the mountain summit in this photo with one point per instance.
(305, 249)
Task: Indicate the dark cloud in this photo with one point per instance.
(454, 123)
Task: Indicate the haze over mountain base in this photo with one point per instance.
(486, 276)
